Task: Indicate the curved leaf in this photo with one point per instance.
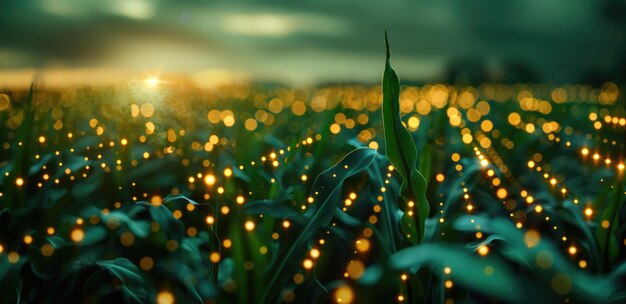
(172, 197)
(128, 274)
(584, 285)
(607, 238)
(325, 193)
(402, 154)
(273, 208)
(487, 275)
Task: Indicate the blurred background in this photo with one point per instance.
(308, 42)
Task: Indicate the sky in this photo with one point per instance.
(306, 42)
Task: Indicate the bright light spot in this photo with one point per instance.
(156, 200)
(483, 250)
(77, 235)
(165, 297)
(355, 269)
(228, 172)
(215, 257)
(362, 245)
(532, 238)
(209, 180)
(585, 151)
(152, 81)
(344, 294)
(440, 177)
(210, 220)
(249, 225)
(502, 193)
(307, 264)
(13, 257)
(315, 253)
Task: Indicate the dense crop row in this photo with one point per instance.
(259, 193)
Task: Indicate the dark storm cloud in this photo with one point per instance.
(317, 40)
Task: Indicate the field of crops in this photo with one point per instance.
(160, 192)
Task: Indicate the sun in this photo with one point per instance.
(152, 81)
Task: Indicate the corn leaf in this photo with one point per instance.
(402, 154)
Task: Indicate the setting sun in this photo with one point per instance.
(152, 81)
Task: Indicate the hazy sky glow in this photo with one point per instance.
(306, 42)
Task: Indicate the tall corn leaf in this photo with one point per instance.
(402, 154)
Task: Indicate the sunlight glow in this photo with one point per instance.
(152, 81)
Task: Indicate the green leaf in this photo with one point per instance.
(402, 154)
(93, 235)
(325, 192)
(487, 275)
(573, 220)
(140, 228)
(275, 209)
(607, 238)
(390, 219)
(128, 274)
(163, 216)
(585, 286)
(238, 254)
(172, 198)
(10, 279)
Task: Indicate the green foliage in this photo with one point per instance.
(402, 154)
(302, 208)
(608, 238)
(326, 195)
(486, 275)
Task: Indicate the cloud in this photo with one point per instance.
(132, 9)
(280, 24)
(308, 40)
